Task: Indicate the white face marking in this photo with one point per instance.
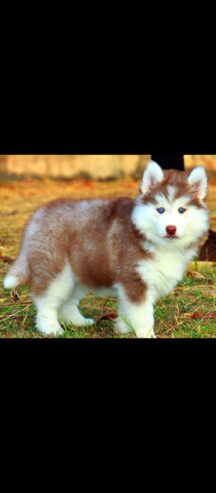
(171, 192)
(190, 225)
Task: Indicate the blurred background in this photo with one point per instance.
(99, 167)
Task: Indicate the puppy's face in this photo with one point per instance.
(171, 206)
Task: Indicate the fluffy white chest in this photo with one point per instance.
(162, 273)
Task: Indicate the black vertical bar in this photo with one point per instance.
(175, 161)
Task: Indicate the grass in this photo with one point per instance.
(196, 293)
(172, 313)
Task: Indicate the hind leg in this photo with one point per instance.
(47, 317)
(49, 302)
(69, 310)
(71, 315)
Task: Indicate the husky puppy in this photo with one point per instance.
(137, 250)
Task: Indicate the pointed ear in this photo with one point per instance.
(199, 182)
(153, 174)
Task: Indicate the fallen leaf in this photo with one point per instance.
(6, 260)
(203, 315)
(107, 316)
(195, 275)
(14, 296)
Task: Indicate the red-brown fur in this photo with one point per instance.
(102, 250)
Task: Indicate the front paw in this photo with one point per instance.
(145, 333)
(47, 327)
(120, 327)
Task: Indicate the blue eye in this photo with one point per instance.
(181, 210)
(161, 210)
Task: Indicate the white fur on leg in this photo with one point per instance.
(48, 304)
(71, 315)
(120, 327)
(47, 322)
(140, 316)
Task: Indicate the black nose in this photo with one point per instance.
(171, 230)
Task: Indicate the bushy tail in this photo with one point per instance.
(18, 273)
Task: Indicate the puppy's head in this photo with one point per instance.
(171, 206)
